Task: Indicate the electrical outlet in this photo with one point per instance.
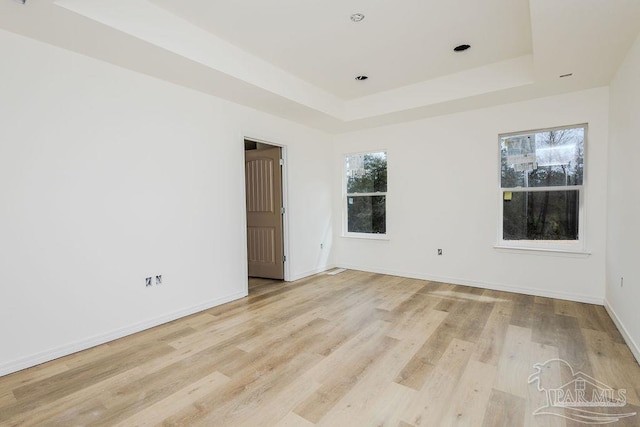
(621, 282)
(159, 279)
(321, 245)
(147, 282)
(439, 251)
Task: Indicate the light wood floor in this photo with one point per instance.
(355, 349)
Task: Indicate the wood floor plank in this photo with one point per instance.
(522, 314)
(287, 347)
(540, 354)
(58, 386)
(473, 392)
(31, 375)
(7, 398)
(162, 409)
(357, 404)
(346, 350)
(504, 410)
(414, 317)
(464, 322)
(433, 399)
(342, 378)
(246, 391)
(564, 307)
(353, 349)
(415, 373)
(603, 350)
(571, 343)
(405, 289)
(475, 320)
(294, 420)
(591, 317)
(514, 366)
(270, 333)
(276, 406)
(49, 412)
(502, 301)
(545, 324)
(491, 339)
(387, 408)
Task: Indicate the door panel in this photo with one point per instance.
(264, 216)
(262, 247)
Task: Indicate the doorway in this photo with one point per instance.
(265, 210)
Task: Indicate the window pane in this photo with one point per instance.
(367, 173)
(366, 214)
(543, 159)
(541, 215)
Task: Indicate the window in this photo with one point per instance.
(366, 193)
(541, 187)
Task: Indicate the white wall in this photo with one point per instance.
(443, 193)
(107, 177)
(624, 200)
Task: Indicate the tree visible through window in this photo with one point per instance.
(366, 192)
(541, 184)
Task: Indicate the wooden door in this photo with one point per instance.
(264, 213)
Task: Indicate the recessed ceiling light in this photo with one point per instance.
(461, 48)
(362, 77)
(566, 75)
(357, 17)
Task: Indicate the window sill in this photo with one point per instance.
(366, 236)
(540, 250)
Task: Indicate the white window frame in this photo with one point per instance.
(345, 195)
(557, 246)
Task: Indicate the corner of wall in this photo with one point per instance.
(633, 346)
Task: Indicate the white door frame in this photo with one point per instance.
(285, 202)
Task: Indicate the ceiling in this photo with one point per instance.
(298, 59)
(396, 46)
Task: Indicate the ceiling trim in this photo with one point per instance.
(162, 29)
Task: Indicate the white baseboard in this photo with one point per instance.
(65, 350)
(633, 346)
(493, 286)
(299, 276)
